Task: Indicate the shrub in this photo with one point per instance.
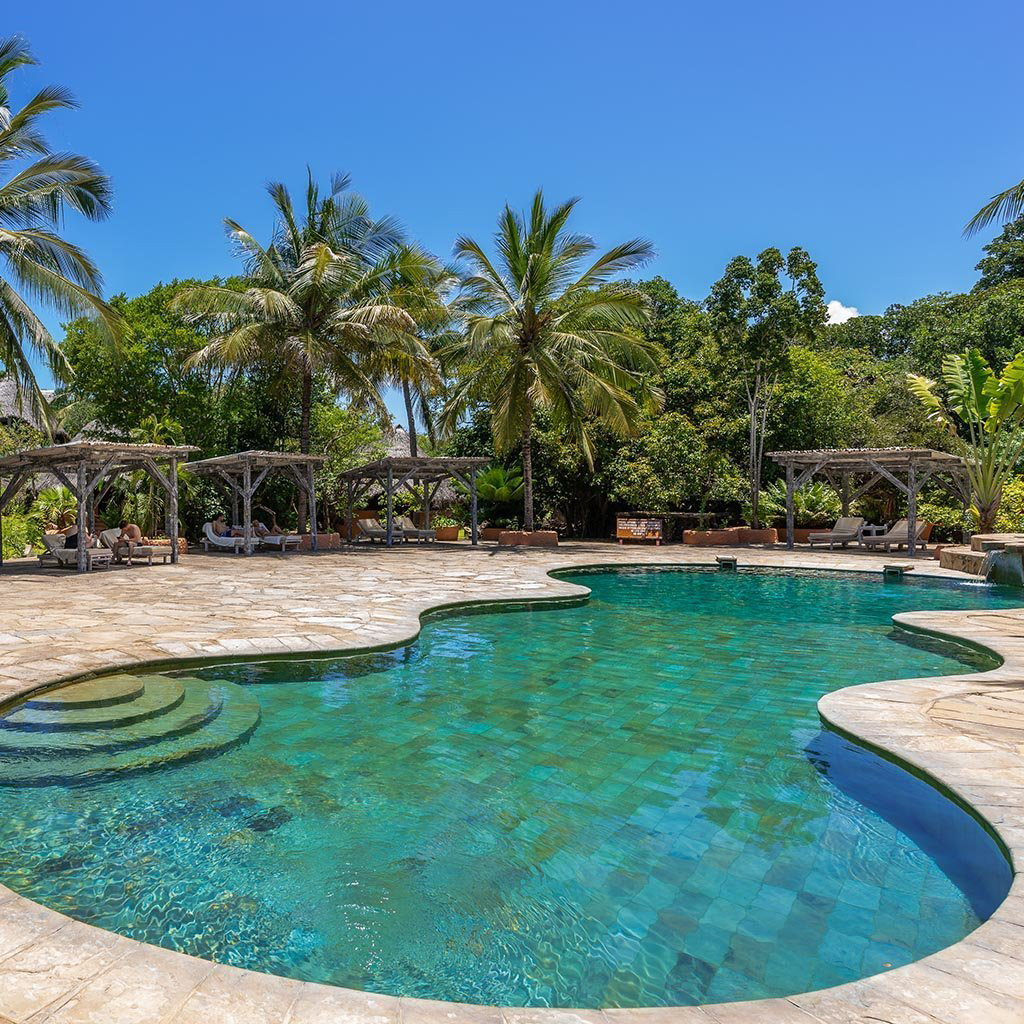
(21, 530)
(814, 504)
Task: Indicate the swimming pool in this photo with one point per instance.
(628, 802)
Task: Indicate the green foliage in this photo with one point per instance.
(55, 508)
(814, 504)
(1004, 257)
(987, 408)
(21, 530)
(1011, 508)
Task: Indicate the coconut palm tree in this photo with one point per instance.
(1004, 206)
(549, 334)
(38, 264)
(317, 300)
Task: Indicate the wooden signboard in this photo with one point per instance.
(637, 527)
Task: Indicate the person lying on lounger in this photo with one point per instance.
(221, 528)
(71, 537)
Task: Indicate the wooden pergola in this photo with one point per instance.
(408, 473)
(243, 472)
(88, 469)
(907, 469)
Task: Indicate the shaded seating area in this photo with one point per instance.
(88, 469)
(243, 473)
(898, 536)
(421, 476)
(855, 471)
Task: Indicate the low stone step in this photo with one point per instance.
(90, 693)
(236, 722)
(201, 704)
(160, 695)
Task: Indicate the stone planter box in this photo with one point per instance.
(536, 539)
(448, 532)
(731, 536)
(324, 542)
(491, 532)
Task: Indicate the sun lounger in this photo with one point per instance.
(374, 531)
(210, 539)
(56, 554)
(281, 541)
(136, 552)
(847, 529)
(899, 536)
(412, 532)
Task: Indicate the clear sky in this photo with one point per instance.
(867, 133)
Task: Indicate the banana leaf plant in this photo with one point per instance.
(986, 410)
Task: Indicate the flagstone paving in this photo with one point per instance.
(967, 731)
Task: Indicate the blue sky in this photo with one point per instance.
(866, 133)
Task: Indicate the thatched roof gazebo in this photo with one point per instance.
(907, 469)
(407, 473)
(83, 466)
(243, 472)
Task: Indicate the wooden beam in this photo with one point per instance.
(911, 510)
(883, 472)
(172, 508)
(247, 508)
(790, 488)
(83, 554)
(12, 488)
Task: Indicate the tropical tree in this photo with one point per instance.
(547, 333)
(39, 264)
(985, 409)
(759, 311)
(317, 300)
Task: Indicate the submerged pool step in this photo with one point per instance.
(200, 704)
(160, 694)
(90, 693)
(170, 721)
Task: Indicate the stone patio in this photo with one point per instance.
(965, 731)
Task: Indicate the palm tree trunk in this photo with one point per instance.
(528, 471)
(304, 439)
(410, 415)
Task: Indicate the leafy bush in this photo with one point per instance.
(55, 507)
(21, 531)
(1010, 518)
(443, 520)
(947, 520)
(814, 504)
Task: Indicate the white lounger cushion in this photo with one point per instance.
(220, 542)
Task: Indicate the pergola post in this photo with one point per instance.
(247, 507)
(234, 505)
(472, 506)
(350, 487)
(311, 484)
(172, 508)
(390, 502)
(911, 510)
(789, 505)
(426, 504)
(80, 488)
(13, 485)
(844, 494)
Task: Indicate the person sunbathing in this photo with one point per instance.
(221, 528)
(71, 537)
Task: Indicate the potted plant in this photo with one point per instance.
(499, 492)
(446, 527)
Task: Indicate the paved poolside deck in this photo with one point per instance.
(967, 731)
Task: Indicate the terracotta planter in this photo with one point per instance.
(491, 532)
(448, 532)
(536, 539)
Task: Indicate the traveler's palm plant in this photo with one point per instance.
(548, 334)
(38, 264)
(987, 411)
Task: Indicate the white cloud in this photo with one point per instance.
(839, 314)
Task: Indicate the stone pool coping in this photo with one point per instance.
(57, 628)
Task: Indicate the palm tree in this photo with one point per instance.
(40, 264)
(1003, 206)
(317, 300)
(549, 334)
(433, 301)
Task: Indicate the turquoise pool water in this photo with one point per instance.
(624, 803)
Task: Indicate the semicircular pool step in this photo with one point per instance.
(199, 705)
(211, 718)
(90, 693)
(160, 695)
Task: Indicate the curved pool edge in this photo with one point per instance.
(55, 969)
